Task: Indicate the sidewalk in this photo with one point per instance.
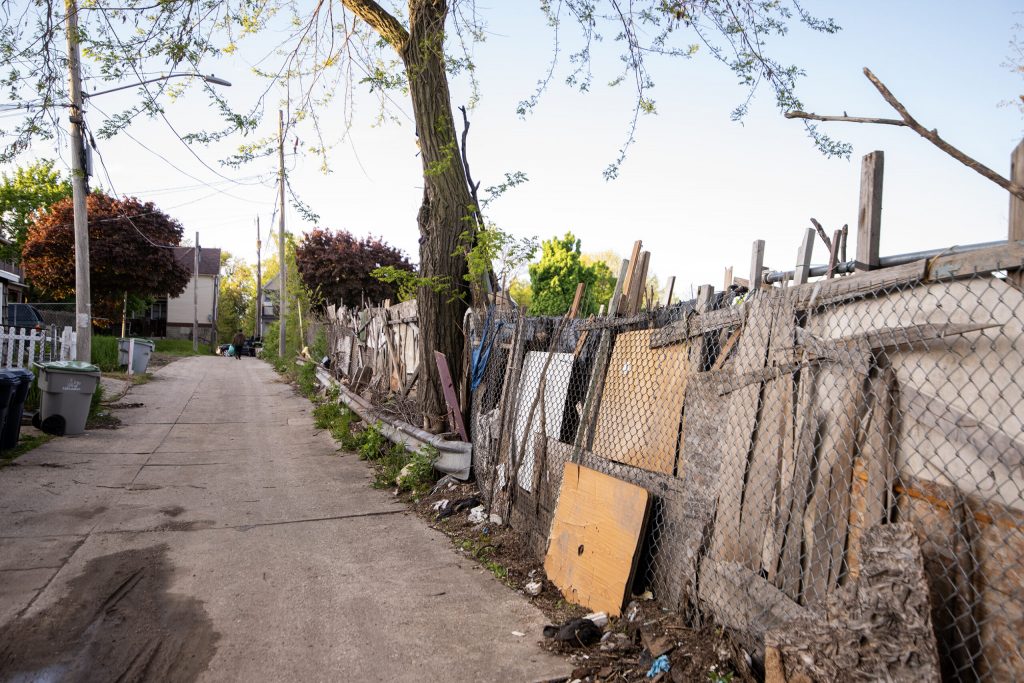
(217, 535)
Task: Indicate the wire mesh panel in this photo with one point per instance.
(776, 432)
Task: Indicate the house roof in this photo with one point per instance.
(209, 259)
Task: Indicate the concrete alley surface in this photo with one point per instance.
(216, 535)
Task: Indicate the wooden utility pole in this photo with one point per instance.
(83, 297)
(281, 252)
(259, 282)
(195, 298)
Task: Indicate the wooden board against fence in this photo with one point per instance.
(595, 538)
(642, 404)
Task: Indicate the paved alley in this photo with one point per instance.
(216, 535)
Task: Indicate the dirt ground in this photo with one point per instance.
(118, 622)
(632, 642)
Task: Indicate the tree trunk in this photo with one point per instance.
(446, 210)
(444, 214)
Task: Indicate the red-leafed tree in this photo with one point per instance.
(129, 251)
(336, 267)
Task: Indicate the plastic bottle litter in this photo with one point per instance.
(534, 588)
(600, 619)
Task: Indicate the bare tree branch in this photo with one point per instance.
(821, 234)
(931, 136)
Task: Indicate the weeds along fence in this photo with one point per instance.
(774, 429)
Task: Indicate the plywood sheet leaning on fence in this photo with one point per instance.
(595, 539)
(642, 405)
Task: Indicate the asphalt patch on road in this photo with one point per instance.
(117, 621)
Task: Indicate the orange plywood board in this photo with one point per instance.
(642, 404)
(595, 538)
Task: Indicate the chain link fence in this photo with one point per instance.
(774, 429)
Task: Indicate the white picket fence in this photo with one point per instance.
(21, 348)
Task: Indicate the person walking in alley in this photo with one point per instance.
(238, 341)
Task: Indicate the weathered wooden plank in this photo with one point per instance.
(740, 599)
(794, 484)
(595, 538)
(1007, 256)
(873, 468)
(838, 290)
(841, 392)
(1016, 223)
(756, 265)
(698, 324)
(626, 282)
(869, 217)
(741, 417)
(803, 258)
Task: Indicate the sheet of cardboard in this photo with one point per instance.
(595, 539)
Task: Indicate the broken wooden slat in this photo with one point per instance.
(873, 468)
(803, 258)
(756, 265)
(760, 494)
(448, 388)
(576, 300)
(697, 324)
(595, 538)
(830, 292)
(739, 429)
(723, 355)
(841, 392)
(795, 478)
(740, 599)
(584, 434)
(626, 281)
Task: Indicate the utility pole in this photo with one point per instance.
(195, 299)
(284, 273)
(83, 301)
(259, 282)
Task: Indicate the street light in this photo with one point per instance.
(209, 79)
(83, 294)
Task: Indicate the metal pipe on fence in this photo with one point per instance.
(884, 262)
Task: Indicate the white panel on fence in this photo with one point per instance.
(555, 390)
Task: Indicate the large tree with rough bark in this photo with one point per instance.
(325, 52)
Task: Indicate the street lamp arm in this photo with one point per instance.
(209, 79)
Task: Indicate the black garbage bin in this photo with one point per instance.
(11, 431)
(8, 383)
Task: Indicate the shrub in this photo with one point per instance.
(372, 443)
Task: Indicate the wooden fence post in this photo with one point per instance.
(803, 258)
(756, 265)
(869, 218)
(1016, 232)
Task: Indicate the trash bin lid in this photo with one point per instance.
(68, 366)
(9, 377)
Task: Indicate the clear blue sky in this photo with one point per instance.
(696, 187)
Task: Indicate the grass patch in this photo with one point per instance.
(180, 347)
(104, 353)
(27, 443)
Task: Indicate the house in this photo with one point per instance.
(12, 286)
(178, 312)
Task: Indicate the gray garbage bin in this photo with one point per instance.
(143, 350)
(67, 387)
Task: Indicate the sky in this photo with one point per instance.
(696, 187)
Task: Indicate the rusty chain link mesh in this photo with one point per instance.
(773, 430)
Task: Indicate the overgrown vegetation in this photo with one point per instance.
(395, 466)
